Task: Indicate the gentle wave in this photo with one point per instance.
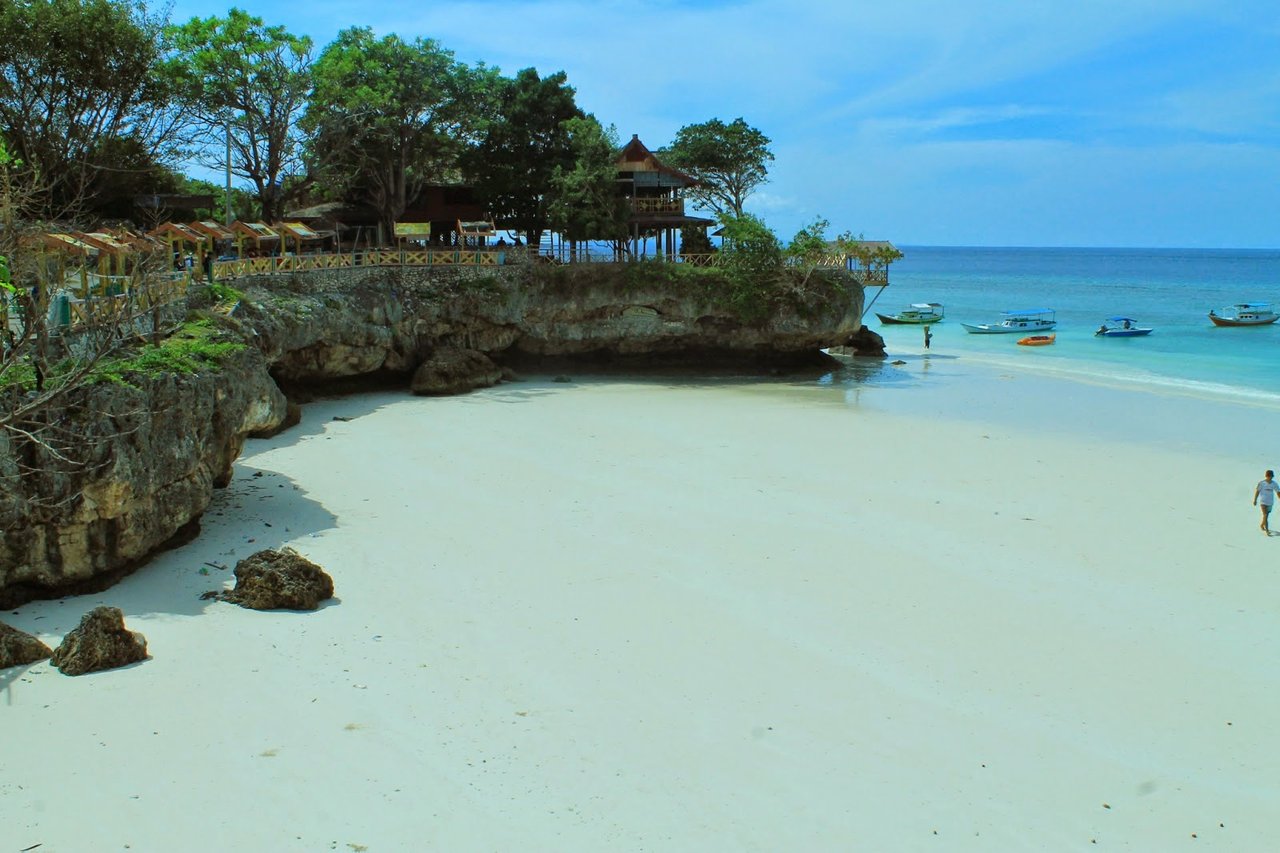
(1109, 375)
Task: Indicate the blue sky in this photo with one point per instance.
(1026, 123)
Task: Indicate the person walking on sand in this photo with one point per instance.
(1265, 496)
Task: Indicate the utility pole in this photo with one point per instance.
(228, 169)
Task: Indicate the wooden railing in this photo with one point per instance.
(94, 300)
(223, 270)
(370, 258)
(658, 206)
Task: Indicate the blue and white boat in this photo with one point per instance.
(1025, 320)
(1121, 327)
(1244, 314)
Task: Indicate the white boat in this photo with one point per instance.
(1121, 327)
(918, 313)
(1244, 314)
(1026, 320)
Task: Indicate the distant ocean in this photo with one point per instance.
(1171, 290)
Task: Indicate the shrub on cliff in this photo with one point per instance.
(195, 347)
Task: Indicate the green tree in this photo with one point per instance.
(753, 260)
(248, 84)
(244, 204)
(133, 170)
(388, 116)
(750, 247)
(514, 162)
(7, 290)
(583, 199)
(810, 248)
(729, 161)
(74, 75)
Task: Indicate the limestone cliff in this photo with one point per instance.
(342, 323)
(153, 450)
(147, 458)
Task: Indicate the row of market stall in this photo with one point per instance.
(67, 257)
(110, 272)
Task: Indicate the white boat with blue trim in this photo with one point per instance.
(1025, 320)
(1244, 314)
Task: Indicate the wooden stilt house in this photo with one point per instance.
(654, 195)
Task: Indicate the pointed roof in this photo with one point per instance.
(179, 231)
(636, 157)
(211, 229)
(298, 231)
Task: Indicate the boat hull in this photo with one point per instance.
(892, 320)
(1123, 333)
(1001, 329)
(1246, 321)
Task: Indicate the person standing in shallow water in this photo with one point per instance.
(928, 336)
(1265, 496)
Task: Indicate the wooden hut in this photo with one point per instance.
(475, 233)
(653, 193)
(255, 237)
(184, 243)
(301, 237)
(869, 261)
(221, 237)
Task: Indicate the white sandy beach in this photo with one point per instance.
(672, 615)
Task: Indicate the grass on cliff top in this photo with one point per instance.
(196, 346)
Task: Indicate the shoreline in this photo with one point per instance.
(633, 615)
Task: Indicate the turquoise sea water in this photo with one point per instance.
(1171, 290)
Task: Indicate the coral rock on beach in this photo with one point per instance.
(279, 580)
(18, 647)
(864, 342)
(99, 642)
(455, 371)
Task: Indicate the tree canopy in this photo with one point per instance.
(247, 82)
(74, 76)
(387, 117)
(519, 152)
(729, 161)
(584, 203)
(99, 98)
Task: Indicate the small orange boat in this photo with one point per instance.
(1036, 340)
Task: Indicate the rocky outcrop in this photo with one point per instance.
(18, 647)
(334, 324)
(454, 371)
(99, 642)
(148, 454)
(145, 460)
(279, 580)
(863, 342)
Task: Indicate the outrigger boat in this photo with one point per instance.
(1244, 314)
(918, 313)
(1026, 320)
(1121, 327)
(1037, 340)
